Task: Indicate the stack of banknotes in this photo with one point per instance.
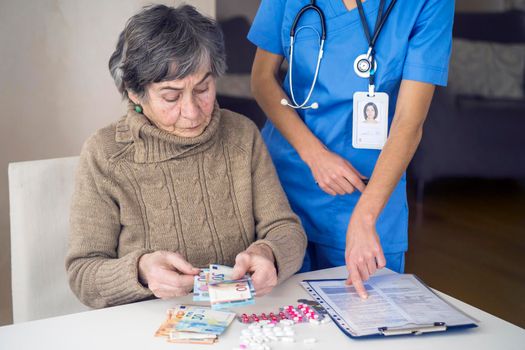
(194, 324)
(217, 286)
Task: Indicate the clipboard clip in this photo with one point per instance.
(417, 330)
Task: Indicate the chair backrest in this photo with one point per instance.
(40, 196)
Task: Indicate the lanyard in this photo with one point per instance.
(381, 19)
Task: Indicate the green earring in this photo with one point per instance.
(138, 108)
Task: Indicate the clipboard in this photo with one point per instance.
(396, 306)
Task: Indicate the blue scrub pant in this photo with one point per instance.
(319, 256)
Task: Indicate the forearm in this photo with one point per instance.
(268, 94)
(102, 282)
(405, 134)
(392, 163)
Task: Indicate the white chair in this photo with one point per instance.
(40, 196)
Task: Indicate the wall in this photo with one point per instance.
(232, 8)
(55, 89)
(489, 5)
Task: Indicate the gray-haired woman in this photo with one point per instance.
(177, 183)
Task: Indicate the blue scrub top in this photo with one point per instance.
(414, 44)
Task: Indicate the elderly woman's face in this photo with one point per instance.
(182, 107)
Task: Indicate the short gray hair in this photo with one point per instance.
(165, 43)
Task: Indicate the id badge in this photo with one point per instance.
(370, 120)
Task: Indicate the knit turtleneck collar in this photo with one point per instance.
(155, 145)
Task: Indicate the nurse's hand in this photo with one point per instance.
(166, 274)
(364, 254)
(332, 173)
(258, 260)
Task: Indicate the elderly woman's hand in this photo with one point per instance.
(166, 274)
(260, 262)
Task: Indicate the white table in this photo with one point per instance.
(132, 327)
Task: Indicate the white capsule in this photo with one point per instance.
(266, 347)
(326, 320)
(288, 340)
(246, 341)
(273, 338)
(310, 341)
(246, 332)
(269, 325)
(315, 322)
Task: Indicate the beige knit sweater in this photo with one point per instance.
(140, 189)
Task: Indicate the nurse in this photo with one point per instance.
(346, 178)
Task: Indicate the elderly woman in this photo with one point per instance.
(177, 183)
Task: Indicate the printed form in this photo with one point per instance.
(394, 301)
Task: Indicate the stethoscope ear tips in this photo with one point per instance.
(284, 102)
(315, 105)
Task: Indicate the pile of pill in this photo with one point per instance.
(264, 329)
(301, 313)
(272, 317)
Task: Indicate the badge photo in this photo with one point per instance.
(370, 120)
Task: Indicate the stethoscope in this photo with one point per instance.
(365, 65)
(322, 38)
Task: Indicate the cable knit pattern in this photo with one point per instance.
(140, 189)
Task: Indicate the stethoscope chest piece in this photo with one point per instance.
(362, 65)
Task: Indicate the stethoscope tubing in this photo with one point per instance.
(322, 38)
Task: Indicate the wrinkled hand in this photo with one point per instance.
(334, 174)
(364, 254)
(260, 262)
(166, 274)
